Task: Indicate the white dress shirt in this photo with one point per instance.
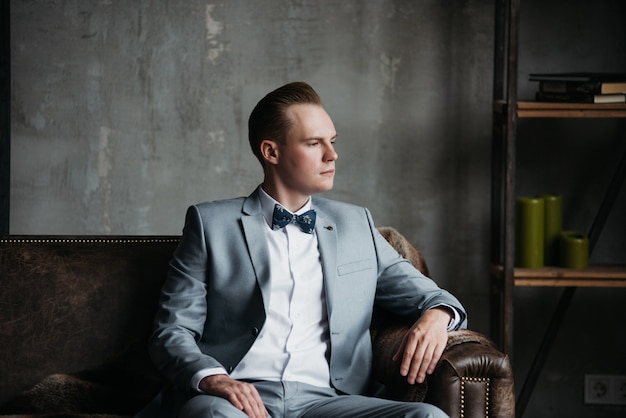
(294, 342)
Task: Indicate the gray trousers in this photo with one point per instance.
(299, 400)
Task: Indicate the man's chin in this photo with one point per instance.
(324, 188)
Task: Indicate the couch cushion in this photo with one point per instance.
(80, 306)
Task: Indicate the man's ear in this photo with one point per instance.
(269, 151)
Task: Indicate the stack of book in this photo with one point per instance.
(580, 87)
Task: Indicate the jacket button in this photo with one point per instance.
(255, 331)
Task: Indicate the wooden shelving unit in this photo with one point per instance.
(505, 274)
(507, 109)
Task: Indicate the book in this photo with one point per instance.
(589, 87)
(580, 87)
(577, 97)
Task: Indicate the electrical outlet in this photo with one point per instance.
(597, 388)
(605, 389)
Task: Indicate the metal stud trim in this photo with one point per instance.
(86, 240)
(485, 380)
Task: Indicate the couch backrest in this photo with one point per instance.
(85, 304)
(69, 304)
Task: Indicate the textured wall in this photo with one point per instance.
(124, 113)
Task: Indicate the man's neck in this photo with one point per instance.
(288, 201)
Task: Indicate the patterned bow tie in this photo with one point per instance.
(282, 217)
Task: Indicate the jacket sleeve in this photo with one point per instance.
(404, 290)
(179, 322)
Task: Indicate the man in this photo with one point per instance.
(268, 301)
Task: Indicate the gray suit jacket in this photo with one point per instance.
(214, 300)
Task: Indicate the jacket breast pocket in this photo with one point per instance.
(355, 267)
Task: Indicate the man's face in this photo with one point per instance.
(306, 162)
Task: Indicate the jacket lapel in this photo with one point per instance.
(253, 224)
(326, 232)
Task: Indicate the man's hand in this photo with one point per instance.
(242, 395)
(423, 344)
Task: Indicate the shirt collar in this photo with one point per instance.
(268, 202)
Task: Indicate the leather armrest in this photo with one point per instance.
(473, 378)
(386, 338)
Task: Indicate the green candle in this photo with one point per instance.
(574, 250)
(529, 243)
(552, 229)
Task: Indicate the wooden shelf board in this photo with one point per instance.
(593, 276)
(570, 110)
(564, 110)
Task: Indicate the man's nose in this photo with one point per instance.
(331, 154)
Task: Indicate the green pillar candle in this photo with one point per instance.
(552, 230)
(530, 215)
(574, 250)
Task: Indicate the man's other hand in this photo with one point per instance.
(423, 344)
(242, 395)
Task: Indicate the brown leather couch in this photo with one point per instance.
(76, 312)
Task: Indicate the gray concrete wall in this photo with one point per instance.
(124, 113)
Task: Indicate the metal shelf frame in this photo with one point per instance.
(505, 277)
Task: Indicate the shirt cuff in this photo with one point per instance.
(456, 318)
(198, 376)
